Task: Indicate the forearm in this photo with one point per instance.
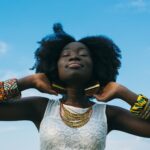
(38, 81)
(26, 83)
(127, 95)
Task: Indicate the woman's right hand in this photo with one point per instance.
(38, 81)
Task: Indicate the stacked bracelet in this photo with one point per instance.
(9, 89)
(145, 114)
(141, 108)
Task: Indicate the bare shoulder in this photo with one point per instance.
(114, 114)
(39, 105)
(35, 104)
(114, 111)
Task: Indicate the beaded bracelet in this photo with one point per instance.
(1, 91)
(139, 105)
(9, 89)
(141, 108)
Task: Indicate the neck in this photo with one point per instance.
(76, 97)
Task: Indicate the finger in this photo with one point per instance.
(53, 92)
(47, 89)
(50, 91)
(100, 98)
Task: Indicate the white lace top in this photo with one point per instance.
(56, 135)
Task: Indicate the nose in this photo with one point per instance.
(74, 56)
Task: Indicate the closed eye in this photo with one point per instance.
(83, 54)
(65, 54)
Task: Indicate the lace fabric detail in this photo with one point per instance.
(56, 135)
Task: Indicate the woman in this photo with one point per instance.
(69, 67)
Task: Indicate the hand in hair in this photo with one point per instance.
(38, 81)
(107, 93)
(114, 90)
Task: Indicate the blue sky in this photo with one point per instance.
(24, 22)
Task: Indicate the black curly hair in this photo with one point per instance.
(104, 52)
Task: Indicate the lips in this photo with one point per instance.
(74, 65)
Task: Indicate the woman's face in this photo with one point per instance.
(75, 65)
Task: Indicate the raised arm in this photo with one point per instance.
(121, 119)
(38, 81)
(10, 89)
(31, 108)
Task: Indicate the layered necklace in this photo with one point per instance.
(74, 119)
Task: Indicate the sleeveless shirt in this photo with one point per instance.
(56, 135)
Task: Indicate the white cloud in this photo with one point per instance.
(140, 4)
(3, 47)
(136, 5)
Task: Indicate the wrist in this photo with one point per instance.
(141, 108)
(9, 90)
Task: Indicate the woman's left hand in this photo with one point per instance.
(109, 92)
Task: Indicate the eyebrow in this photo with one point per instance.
(67, 48)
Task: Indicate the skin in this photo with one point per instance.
(75, 71)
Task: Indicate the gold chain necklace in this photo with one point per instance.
(74, 120)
